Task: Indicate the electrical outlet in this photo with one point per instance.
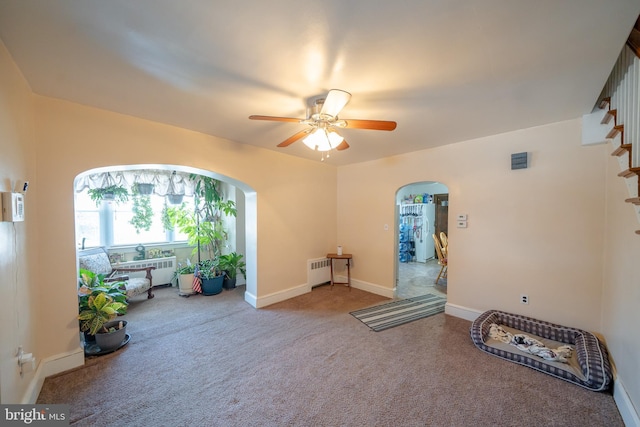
(524, 299)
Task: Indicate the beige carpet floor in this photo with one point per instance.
(216, 361)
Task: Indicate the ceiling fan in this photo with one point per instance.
(323, 120)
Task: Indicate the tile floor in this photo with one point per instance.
(417, 278)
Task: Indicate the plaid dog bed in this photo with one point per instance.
(589, 367)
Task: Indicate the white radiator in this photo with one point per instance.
(318, 271)
(162, 275)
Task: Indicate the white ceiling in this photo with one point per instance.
(445, 70)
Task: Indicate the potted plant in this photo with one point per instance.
(204, 226)
(143, 188)
(141, 209)
(175, 196)
(99, 309)
(175, 199)
(91, 283)
(98, 301)
(184, 274)
(231, 264)
(211, 276)
(116, 193)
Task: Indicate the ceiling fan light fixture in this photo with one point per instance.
(322, 140)
(322, 121)
(334, 138)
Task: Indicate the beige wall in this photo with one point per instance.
(621, 291)
(18, 243)
(294, 223)
(543, 231)
(536, 231)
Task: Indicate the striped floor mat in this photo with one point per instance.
(396, 313)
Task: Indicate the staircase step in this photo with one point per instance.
(630, 172)
(634, 200)
(604, 102)
(634, 41)
(616, 130)
(623, 148)
(611, 114)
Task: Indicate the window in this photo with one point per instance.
(88, 229)
(109, 224)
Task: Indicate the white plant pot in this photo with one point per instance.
(185, 283)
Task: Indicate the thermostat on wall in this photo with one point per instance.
(12, 207)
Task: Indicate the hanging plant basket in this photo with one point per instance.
(110, 193)
(144, 189)
(175, 199)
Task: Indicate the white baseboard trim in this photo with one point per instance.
(250, 298)
(51, 366)
(461, 312)
(305, 288)
(628, 412)
(277, 296)
(368, 287)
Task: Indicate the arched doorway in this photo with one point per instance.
(421, 211)
(245, 230)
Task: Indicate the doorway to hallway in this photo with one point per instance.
(422, 210)
(417, 278)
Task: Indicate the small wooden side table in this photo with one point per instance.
(348, 257)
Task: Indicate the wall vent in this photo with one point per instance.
(519, 160)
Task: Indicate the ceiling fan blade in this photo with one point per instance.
(369, 124)
(335, 102)
(343, 145)
(294, 138)
(276, 119)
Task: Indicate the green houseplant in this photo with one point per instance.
(91, 283)
(99, 302)
(100, 309)
(112, 192)
(211, 276)
(204, 226)
(231, 264)
(141, 209)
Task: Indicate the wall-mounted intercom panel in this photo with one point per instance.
(12, 207)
